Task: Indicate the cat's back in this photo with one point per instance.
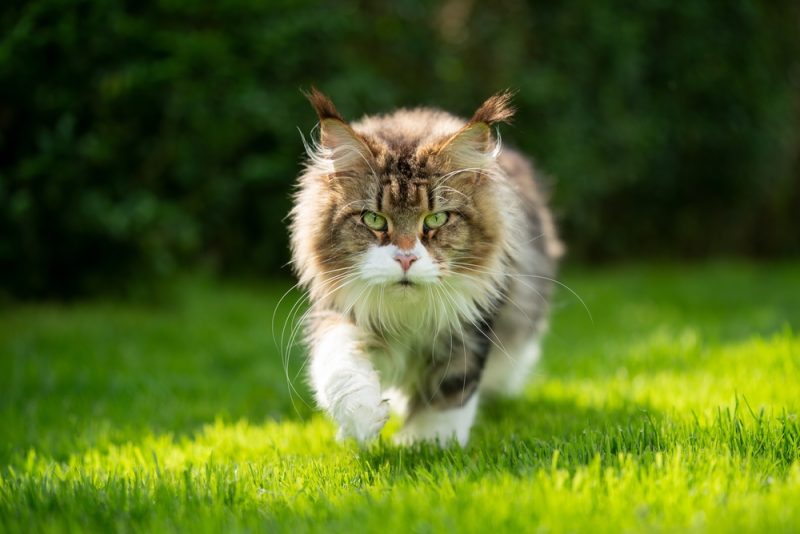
(530, 188)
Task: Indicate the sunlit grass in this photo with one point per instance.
(674, 407)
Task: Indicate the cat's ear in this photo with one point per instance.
(473, 144)
(496, 108)
(347, 148)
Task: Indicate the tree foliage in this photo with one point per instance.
(138, 137)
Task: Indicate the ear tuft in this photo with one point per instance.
(497, 108)
(322, 105)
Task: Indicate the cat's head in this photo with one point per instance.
(405, 208)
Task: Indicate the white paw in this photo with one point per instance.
(361, 420)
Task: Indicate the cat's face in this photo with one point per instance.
(380, 221)
(405, 220)
(405, 230)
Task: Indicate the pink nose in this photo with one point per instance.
(405, 259)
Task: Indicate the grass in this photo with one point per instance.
(674, 407)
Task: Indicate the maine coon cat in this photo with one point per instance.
(428, 253)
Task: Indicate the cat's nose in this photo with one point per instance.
(405, 259)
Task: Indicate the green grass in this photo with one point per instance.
(674, 407)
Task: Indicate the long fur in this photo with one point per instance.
(477, 295)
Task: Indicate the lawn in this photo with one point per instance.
(670, 404)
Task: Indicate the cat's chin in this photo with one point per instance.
(410, 285)
(404, 287)
(402, 284)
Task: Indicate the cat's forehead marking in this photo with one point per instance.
(405, 179)
(397, 192)
(425, 195)
(404, 161)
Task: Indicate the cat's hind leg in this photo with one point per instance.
(444, 409)
(440, 425)
(507, 372)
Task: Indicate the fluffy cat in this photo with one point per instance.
(428, 254)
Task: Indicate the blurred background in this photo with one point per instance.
(141, 139)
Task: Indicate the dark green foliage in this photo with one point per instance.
(137, 137)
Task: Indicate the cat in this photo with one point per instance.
(429, 255)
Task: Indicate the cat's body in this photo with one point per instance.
(428, 255)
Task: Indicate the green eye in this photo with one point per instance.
(435, 220)
(374, 221)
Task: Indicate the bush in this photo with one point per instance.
(137, 138)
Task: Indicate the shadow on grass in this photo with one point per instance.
(523, 435)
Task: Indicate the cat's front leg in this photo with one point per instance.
(345, 382)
